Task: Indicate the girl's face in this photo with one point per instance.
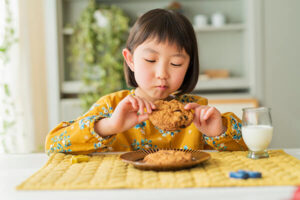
(159, 68)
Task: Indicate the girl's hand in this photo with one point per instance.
(207, 119)
(130, 112)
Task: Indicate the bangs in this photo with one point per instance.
(166, 29)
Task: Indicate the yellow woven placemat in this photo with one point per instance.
(108, 171)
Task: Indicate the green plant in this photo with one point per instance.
(9, 35)
(7, 108)
(96, 44)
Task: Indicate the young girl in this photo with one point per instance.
(161, 62)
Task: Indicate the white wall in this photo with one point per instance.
(281, 47)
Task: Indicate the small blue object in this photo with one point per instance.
(238, 175)
(242, 174)
(242, 171)
(254, 174)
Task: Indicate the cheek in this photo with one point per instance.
(142, 73)
(179, 76)
(141, 76)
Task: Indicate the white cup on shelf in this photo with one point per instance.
(218, 19)
(200, 21)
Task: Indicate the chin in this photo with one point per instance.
(161, 97)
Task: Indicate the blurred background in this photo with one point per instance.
(57, 57)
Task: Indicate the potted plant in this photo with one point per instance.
(95, 47)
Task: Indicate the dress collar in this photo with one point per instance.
(171, 96)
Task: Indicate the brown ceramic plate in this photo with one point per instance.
(136, 159)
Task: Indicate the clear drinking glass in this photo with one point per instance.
(257, 131)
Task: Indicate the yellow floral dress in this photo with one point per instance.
(78, 136)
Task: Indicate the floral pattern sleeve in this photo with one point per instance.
(231, 139)
(78, 136)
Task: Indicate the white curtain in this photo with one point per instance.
(16, 121)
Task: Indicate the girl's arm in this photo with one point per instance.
(78, 136)
(231, 139)
(220, 131)
(95, 130)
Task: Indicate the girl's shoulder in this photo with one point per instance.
(115, 97)
(192, 98)
(120, 94)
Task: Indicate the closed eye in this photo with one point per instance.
(176, 65)
(151, 61)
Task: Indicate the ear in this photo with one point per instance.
(128, 58)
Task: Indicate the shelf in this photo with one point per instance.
(228, 96)
(227, 27)
(74, 87)
(222, 84)
(77, 87)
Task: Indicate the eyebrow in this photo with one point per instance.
(174, 55)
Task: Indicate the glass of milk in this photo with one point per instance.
(257, 131)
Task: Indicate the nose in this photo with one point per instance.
(162, 71)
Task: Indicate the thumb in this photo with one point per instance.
(143, 117)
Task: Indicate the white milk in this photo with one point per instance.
(257, 138)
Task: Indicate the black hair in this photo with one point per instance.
(166, 25)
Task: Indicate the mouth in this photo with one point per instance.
(162, 87)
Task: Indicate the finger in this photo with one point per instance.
(209, 112)
(153, 106)
(143, 117)
(191, 106)
(202, 115)
(133, 102)
(141, 105)
(148, 106)
(198, 113)
(197, 116)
